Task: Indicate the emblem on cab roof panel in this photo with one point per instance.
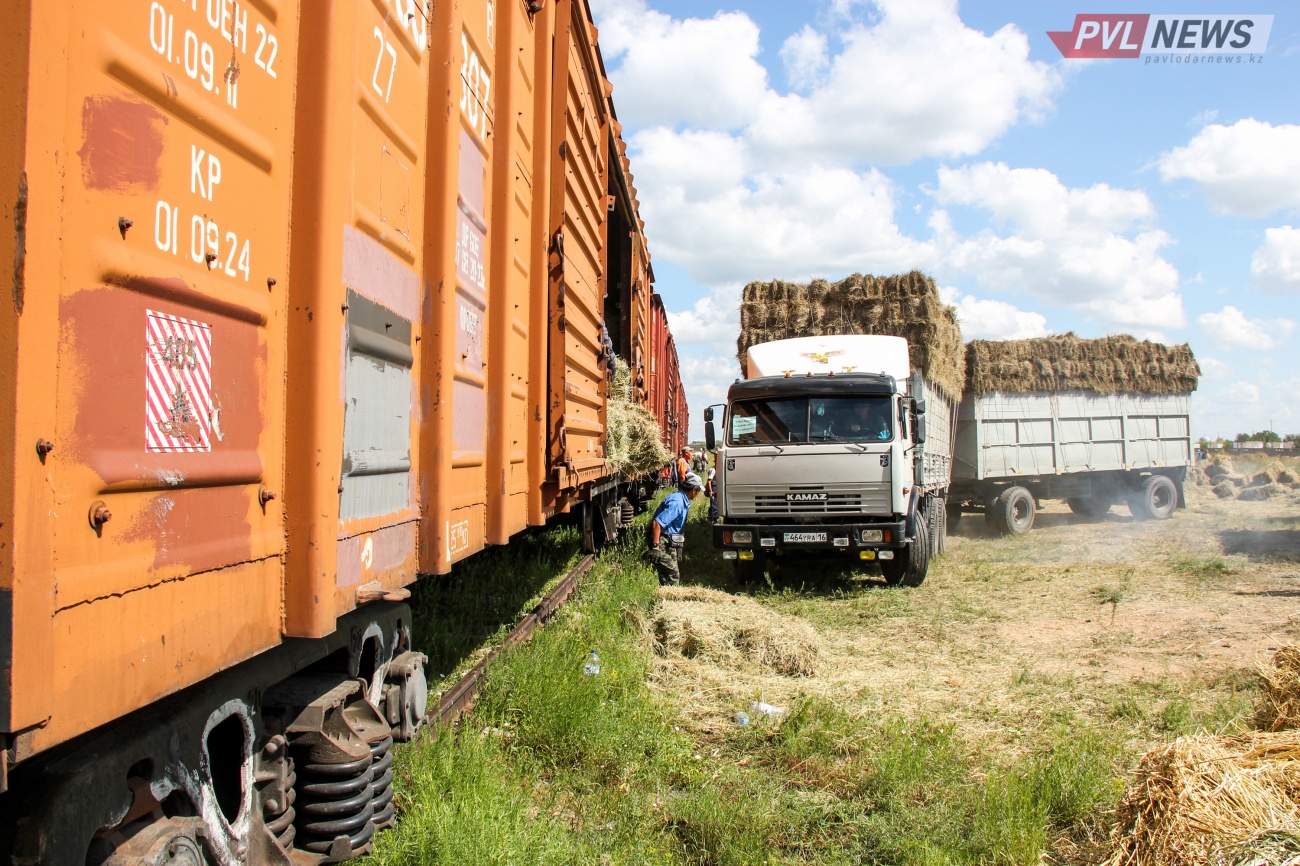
(822, 357)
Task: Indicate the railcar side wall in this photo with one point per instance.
(307, 300)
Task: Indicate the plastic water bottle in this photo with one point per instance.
(592, 667)
(758, 708)
(742, 717)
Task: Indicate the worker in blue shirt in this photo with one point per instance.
(669, 520)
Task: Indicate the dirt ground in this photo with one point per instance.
(1154, 626)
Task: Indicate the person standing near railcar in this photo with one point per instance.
(666, 529)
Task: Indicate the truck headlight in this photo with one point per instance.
(728, 554)
(870, 535)
(743, 536)
(840, 541)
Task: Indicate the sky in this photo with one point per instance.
(780, 139)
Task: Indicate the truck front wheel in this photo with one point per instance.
(909, 565)
(1155, 499)
(1012, 513)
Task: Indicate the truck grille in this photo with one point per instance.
(770, 500)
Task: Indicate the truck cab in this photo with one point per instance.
(818, 454)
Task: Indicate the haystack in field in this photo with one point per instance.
(633, 438)
(1107, 365)
(906, 305)
(1212, 800)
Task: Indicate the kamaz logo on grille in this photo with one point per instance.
(805, 497)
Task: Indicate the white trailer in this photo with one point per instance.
(1014, 450)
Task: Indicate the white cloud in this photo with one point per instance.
(712, 212)
(1086, 249)
(804, 55)
(913, 106)
(994, 320)
(1212, 369)
(1276, 265)
(699, 71)
(1231, 329)
(1251, 168)
(705, 73)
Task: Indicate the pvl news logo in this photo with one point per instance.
(1167, 38)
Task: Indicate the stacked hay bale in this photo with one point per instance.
(1221, 800)
(1108, 365)
(905, 305)
(633, 438)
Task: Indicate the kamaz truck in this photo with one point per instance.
(832, 446)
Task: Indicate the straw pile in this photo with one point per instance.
(732, 632)
(633, 440)
(1210, 800)
(906, 306)
(1067, 363)
(1279, 674)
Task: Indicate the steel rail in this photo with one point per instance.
(456, 700)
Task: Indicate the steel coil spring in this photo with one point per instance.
(335, 800)
(281, 825)
(382, 755)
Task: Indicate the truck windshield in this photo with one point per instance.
(811, 419)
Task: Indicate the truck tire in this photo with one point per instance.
(1012, 513)
(1155, 499)
(1089, 506)
(942, 545)
(933, 510)
(909, 565)
(952, 515)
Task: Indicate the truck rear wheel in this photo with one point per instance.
(1012, 513)
(909, 565)
(1155, 499)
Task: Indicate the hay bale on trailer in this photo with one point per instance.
(1108, 365)
(633, 438)
(904, 305)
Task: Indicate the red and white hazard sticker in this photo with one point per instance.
(178, 384)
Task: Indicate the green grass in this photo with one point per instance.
(553, 767)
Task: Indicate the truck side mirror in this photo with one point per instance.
(918, 426)
(708, 413)
(918, 406)
(710, 438)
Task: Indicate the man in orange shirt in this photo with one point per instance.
(683, 463)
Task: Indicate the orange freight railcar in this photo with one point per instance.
(307, 299)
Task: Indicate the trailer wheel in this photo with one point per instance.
(1013, 511)
(1089, 506)
(1155, 499)
(909, 565)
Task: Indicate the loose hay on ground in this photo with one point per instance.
(717, 652)
(1280, 675)
(1203, 799)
